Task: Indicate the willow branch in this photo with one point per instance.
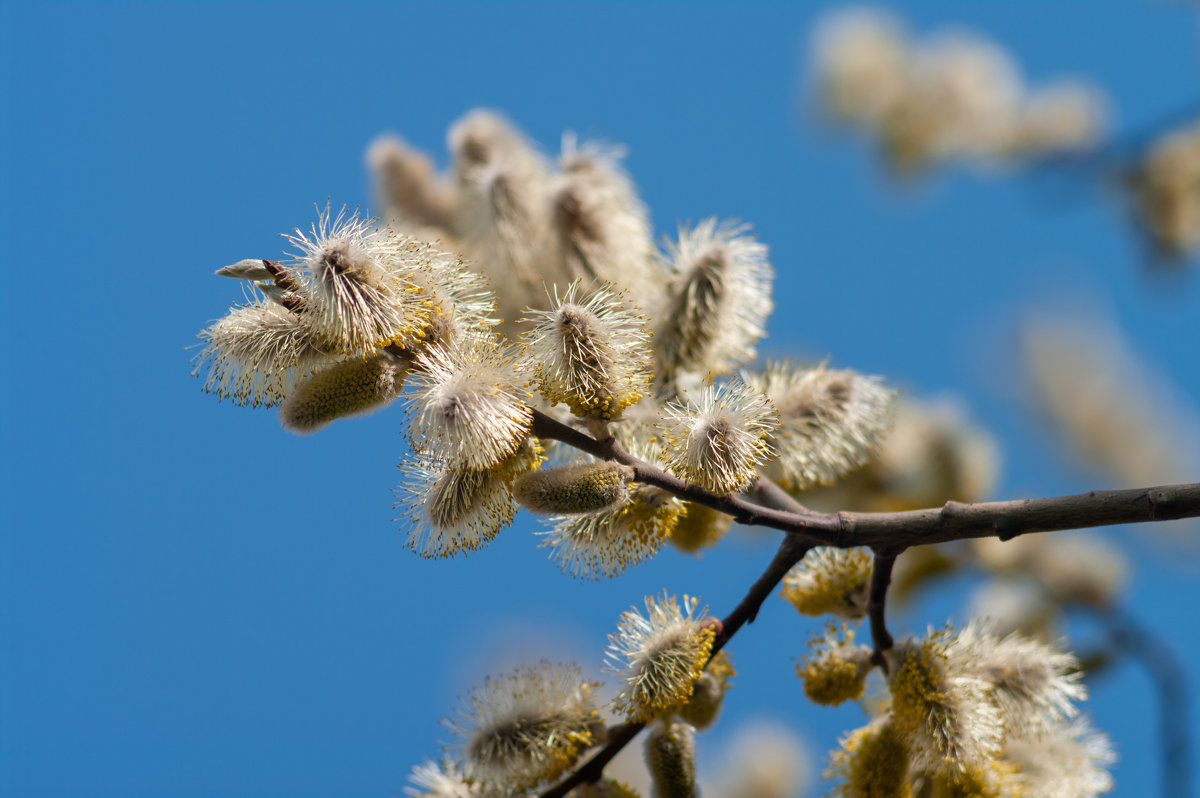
(791, 550)
(881, 578)
(901, 530)
(1159, 659)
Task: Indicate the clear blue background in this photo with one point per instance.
(195, 603)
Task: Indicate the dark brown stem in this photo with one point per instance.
(887, 533)
(901, 530)
(881, 578)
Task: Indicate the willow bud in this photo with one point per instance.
(574, 489)
(671, 758)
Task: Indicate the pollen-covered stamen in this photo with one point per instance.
(589, 353)
(719, 442)
(829, 580)
(467, 406)
(606, 542)
(836, 669)
(873, 762)
(658, 655)
(945, 712)
(357, 301)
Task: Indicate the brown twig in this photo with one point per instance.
(887, 533)
(881, 578)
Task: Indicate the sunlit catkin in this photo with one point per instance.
(524, 728)
(449, 510)
(872, 762)
(719, 442)
(600, 228)
(357, 302)
(352, 387)
(671, 758)
(700, 528)
(835, 669)
(255, 354)
(658, 656)
(941, 708)
(708, 693)
(719, 298)
(830, 422)
(574, 489)
(860, 57)
(466, 406)
(589, 353)
(503, 215)
(830, 581)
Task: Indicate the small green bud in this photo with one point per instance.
(348, 388)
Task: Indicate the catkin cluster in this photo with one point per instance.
(951, 96)
(515, 297)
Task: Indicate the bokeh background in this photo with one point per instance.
(194, 602)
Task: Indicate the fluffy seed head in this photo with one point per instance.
(352, 387)
(574, 489)
(255, 354)
(719, 300)
(589, 353)
(720, 441)
(357, 301)
(829, 580)
(466, 406)
(526, 727)
(671, 758)
(872, 762)
(830, 421)
(606, 542)
(836, 669)
(944, 711)
(658, 656)
(450, 510)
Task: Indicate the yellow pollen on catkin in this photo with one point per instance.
(708, 694)
(699, 528)
(872, 762)
(834, 581)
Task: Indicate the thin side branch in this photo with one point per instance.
(881, 578)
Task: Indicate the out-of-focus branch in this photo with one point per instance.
(1136, 640)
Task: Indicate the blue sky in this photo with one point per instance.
(194, 602)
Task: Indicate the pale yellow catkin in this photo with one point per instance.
(347, 388)
(574, 489)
